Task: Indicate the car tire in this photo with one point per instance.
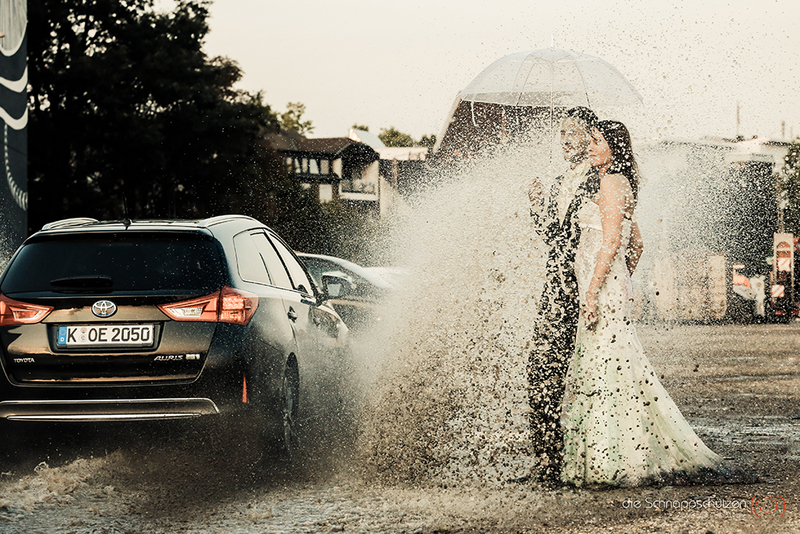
(289, 403)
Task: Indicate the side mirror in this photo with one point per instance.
(335, 286)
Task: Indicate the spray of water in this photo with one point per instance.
(450, 404)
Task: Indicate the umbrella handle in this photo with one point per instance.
(472, 109)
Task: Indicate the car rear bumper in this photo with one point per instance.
(106, 409)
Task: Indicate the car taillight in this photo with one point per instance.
(225, 306)
(236, 306)
(13, 312)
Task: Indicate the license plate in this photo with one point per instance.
(119, 335)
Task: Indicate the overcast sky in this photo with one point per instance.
(386, 63)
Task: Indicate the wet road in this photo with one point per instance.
(739, 386)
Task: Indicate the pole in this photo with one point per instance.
(738, 120)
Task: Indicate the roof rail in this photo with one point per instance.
(222, 218)
(65, 223)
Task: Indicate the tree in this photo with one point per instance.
(292, 119)
(124, 104)
(428, 141)
(790, 184)
(360, 127)
(393, 137)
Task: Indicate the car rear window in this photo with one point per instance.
(117, 262)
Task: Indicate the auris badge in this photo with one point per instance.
(104, 308)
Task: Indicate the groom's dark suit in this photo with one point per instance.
(557, 325)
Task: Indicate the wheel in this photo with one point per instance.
(290, 396)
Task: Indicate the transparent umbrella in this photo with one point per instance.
(551, 78)
(528, 92)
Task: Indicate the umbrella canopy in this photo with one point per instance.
(551, 78)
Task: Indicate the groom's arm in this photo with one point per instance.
(539, 210)
(536, 196)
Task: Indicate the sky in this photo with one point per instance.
(401, 64)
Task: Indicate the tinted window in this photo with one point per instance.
(360, 287)
(320, 265)
(251, 267)
(117, 262)
(298, 274)
(277, 271)
(317, 269)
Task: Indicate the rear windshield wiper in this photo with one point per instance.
(83, 281)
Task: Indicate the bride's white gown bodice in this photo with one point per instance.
(621, 426)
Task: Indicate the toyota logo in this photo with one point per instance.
(104, 308)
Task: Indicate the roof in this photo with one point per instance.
(367, 138)
(284, 139)
(325, 147)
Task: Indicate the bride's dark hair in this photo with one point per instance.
(622, 161)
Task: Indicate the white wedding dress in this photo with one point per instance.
(621, 427)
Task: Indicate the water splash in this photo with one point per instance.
(451, 403)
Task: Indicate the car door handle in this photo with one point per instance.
(292, 315)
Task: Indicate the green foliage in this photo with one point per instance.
(427, 141)
(360, 127)
(790, 184)
(292, 119)
(393, 137)
(125, 104)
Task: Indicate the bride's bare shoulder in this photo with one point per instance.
(615, 189)
(614, 179)
(616, 182)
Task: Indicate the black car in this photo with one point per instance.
(151, 320)
(360, 300)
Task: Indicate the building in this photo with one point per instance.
(401, 168)
(323, 164)
(363, 173)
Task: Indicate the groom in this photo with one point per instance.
(555, 217)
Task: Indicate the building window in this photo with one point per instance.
(325, 192)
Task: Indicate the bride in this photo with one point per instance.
(621, 427)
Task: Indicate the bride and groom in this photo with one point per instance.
(599, 415)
